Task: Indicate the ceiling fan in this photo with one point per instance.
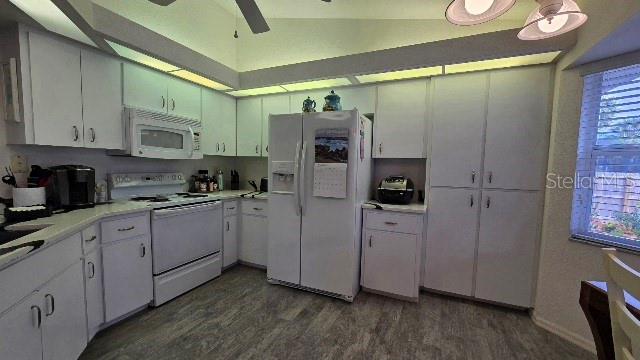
(249, 10)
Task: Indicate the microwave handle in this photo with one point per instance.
(193, 140)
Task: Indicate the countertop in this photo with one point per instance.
(61, 226)
(413, 208)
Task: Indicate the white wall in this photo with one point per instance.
(564, 263)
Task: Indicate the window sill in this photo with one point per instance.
(605, 243)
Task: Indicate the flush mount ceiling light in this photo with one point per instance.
(552, 18)
(474, 12)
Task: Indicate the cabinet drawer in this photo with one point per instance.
(90, 238)
(254, 207)
(125, 228)
(230, 207)
(387, 221)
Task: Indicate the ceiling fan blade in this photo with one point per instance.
(162, 2)
(253, 16)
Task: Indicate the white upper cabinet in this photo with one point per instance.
(517, 128)
(184, 98)
(249, 126)
(219, 123)
(145, 88)
(458, 109)
(55, 91)
(400, 120)
(362, 98)
(507, 246)
(272, 105)
(101, 100)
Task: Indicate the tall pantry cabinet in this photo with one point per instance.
(488, 157)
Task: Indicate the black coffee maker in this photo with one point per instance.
(71, 187)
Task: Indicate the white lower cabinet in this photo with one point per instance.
(390, 262)
(451, 240)
(507, 246)
(93, 291)
(64, 323)
(491, 258)
(230, 241)
(20, 329)
(391, 253)
(253, 232)
(128, 279)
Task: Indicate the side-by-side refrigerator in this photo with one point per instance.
(320, 172)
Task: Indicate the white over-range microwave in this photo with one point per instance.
(161, 136)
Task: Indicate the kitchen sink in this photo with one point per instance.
(10, 235)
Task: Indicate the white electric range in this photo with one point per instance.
(186, 236)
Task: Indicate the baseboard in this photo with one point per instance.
(570, 336)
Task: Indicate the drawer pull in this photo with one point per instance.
(231, 208)
(390, 223)
(92, 270)
(370, 236)
(51, 304)
(127, 229)
(36, 315)
(257, 209)
(92, 238)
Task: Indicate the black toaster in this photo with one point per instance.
(395, 190)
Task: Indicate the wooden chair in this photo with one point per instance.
(624, 326)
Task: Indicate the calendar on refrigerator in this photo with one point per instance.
(331, 163)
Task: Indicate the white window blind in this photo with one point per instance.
(606, 205)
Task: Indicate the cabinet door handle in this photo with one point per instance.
(490, 176)
(471, 201)
(224, 148)
(380, 148)
(51, 304)
(36, 316)
(267, 148)
(127, 229)
(488, 202)
(473, 177)
(164, 102)
(370, 237)
(92, 131)
(76, 133)
(390, 223)
(227, 226)
(143, 250)
(217, 147)
(257, 147)
(173, 104)
(92, 270)
(92, 238)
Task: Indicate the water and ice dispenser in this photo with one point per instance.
(282, 176)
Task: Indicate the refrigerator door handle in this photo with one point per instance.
(303, 161)
(296, 180)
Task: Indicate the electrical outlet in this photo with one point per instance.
(19, 164)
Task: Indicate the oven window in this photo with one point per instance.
(161, 139)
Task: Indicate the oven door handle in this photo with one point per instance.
(180, 210)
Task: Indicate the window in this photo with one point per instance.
(606, 206)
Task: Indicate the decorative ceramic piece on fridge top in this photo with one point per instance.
(309, 105)
(332, 102)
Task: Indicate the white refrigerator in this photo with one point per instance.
(320, 173)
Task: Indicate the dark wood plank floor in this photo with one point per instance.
(241, 316)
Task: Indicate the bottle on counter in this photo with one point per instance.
(220, 176)
(213, 184)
